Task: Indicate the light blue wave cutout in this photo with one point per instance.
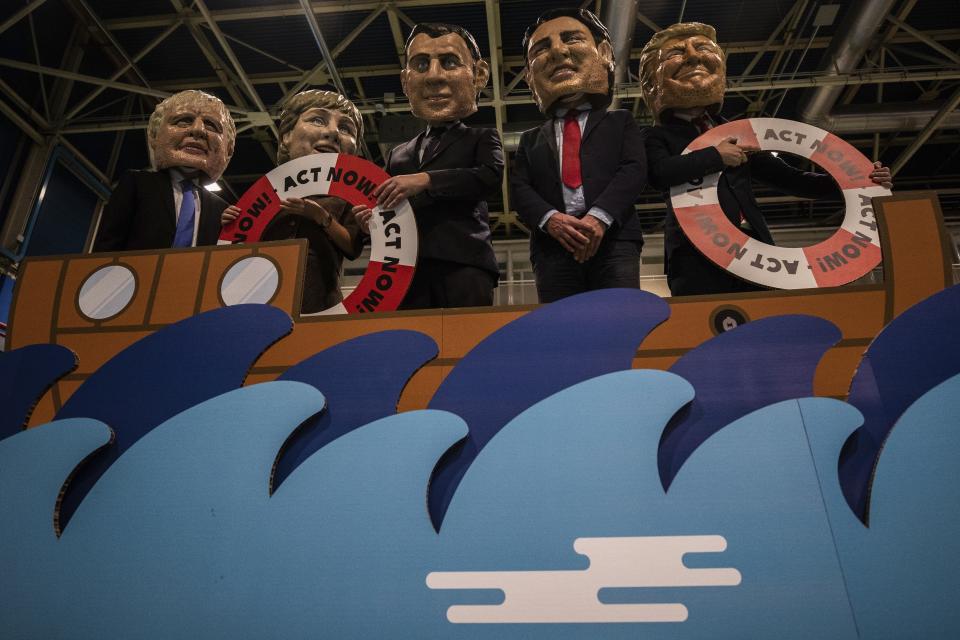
(180, 538)
(33, 467)
(584, 464)
(903, 572)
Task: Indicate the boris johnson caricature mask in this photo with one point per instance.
(191, 131)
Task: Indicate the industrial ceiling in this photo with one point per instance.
(884, 74)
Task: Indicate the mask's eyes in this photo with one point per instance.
(183, 120)
(420, 64)
(538, 48)
(212, 125)
(450, 62)
(347, 129)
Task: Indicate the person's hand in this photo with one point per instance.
(363, 214)
(733, 155)
(595, 229)
(569, 231)
(393, 190)
(229, 214)
(881, 175)
(307, 209)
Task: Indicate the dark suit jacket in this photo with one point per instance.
(612, 165)
(452, 216)
(666, 141)
(140, 214)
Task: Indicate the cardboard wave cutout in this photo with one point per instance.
(850, 253)
(393, 232)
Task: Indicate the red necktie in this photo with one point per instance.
(571, 150)
(702, 123)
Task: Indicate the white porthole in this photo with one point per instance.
(106, 292)
(251, 280)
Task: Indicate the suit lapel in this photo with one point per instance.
(446, 139)
(403, 158)
(596, 115)
(165, 186)
(548, 136)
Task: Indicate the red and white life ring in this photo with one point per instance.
(851, 252)
(393, 233)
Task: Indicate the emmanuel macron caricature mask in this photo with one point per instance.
(444, 73)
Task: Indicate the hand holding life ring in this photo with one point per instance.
(393, 233)
(851, 252)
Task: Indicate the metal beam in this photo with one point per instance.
(337, 50)
(322, 45)
(24, 126)
(492, 12)
(24, 105)
(147, 49)
(20, 15)
(238, 68)
(628, 91)
(773, 36)
(113, 41)
(398, 40)
(646, 21)
(328, 58)
(949, 107)
(280, 11)
(930, 42)
(80, 77)
(229, 83)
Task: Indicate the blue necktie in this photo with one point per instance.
(188, 210)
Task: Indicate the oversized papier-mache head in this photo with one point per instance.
(569, 60)
(444, 72)
(317, 121)
(192, 131)
(682, 67)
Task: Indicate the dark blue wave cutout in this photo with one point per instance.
(361, 379)
(549, 349)
(159, 376)
(918, 350)
(25, 375)
(755, 365)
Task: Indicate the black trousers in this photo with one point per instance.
(440, 284)
(689, 273)
(558, 275)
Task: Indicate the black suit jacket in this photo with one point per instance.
(140, 214)
(666, 141)
(612, 165)
(452, 216)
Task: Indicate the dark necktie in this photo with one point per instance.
(702, 123)
(571, 150)
(430, 142)
(188, 210)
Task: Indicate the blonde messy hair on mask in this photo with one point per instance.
(650, 55)
(188, 96)
(313, 99)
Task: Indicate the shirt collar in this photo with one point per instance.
(561, 112)
(177, 177)
(443, 128)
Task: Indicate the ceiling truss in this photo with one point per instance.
(927, 58)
